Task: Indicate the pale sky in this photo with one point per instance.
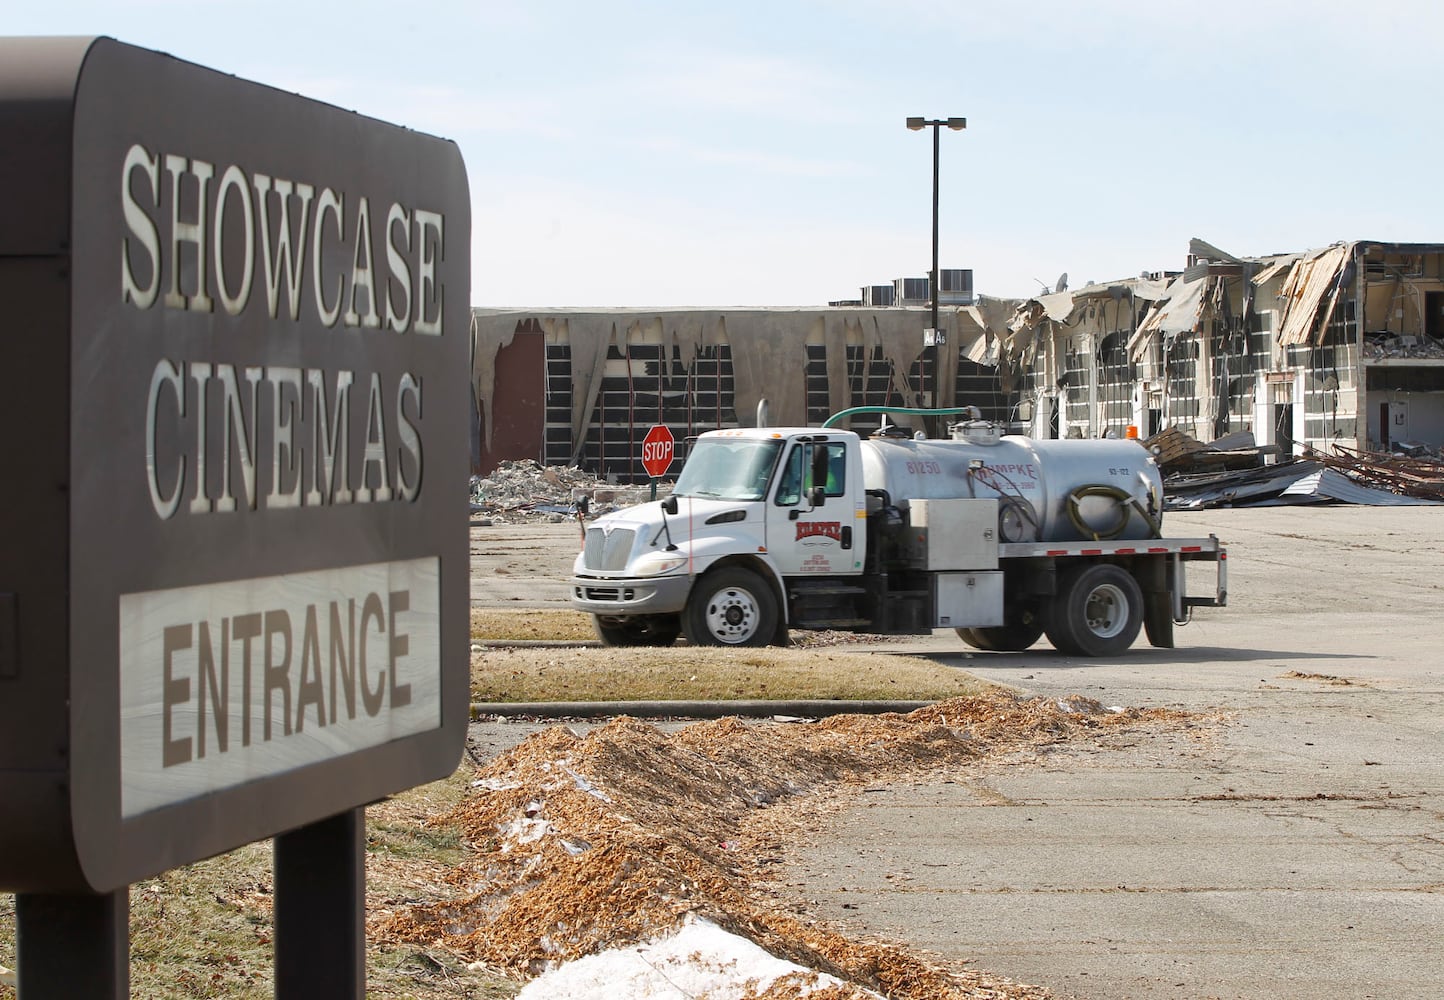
(754, 152)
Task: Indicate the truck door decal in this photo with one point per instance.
(814, 529)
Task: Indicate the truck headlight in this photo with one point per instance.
(659, 563)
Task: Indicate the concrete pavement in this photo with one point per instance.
(1295, 850)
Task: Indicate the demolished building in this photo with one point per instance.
(1342, 345)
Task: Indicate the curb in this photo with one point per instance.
(535, 644)
(690, 709)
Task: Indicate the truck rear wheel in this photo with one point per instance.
(731, 606)
(1010, 638)
(1097, 612)
(636, 630)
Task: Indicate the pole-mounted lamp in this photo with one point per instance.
(917, 125)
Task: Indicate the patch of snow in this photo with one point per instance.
(699, 960)
(583, 785)
(495, 784)
(525, 831)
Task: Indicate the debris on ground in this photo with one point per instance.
(1344, 476)
(526, 491)
(1419, 474)
(1230, 472)
(583, 845)
(1259, 486)
(1177, 451)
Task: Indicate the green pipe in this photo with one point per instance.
(911, 411)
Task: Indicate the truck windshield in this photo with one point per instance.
(728, 469)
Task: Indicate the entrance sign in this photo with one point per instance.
(233, 594)
(318, 662)
(658, 449)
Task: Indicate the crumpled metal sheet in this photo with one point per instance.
(1274, 268)
(993, 335)
(1312, 280)
(1057, 306)
(1179, 313)
(1203, 248)
(1148, 288)
(1337, 486)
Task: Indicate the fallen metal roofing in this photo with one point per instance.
(1247, 487)
(1319, 479)
(1332, 485)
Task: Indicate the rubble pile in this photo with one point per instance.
(1230, 473)
(1177, 451)
(586, 844)
(1344, 476)
(1264, 485)
(1418, 476)
(526, 491)
(1381, 345)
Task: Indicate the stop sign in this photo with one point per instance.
(657, 451)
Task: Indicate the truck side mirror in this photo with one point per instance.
(669, 505)
(816, 496)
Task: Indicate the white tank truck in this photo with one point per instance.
(1001, 537)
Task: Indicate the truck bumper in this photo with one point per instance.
(656, 595)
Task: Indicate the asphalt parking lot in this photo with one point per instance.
(1293, 850)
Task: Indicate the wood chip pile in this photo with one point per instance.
(582, 844)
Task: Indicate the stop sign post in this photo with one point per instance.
(658, 449)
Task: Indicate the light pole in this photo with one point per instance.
(917, 125)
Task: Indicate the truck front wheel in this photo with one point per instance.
(636, 630)
(730, 607)
(1097, 612)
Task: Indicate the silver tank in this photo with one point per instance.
(1048, 490)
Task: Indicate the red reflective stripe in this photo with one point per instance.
(1092, 552)
(1056, 552)
(1191, 548)
(1124, 552)
(1151, 551)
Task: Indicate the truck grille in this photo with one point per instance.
(608, 550)
(606, 593)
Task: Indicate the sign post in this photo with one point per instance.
(658, 450)
(233, 595)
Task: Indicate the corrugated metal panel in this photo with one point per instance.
(1337, 486)
(1310, 281)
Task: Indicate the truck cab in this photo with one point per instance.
(752, 507)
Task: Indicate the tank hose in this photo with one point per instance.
(1126, 502)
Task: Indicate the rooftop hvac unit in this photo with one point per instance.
(911, 291)
(879, 296)
(956, 279)
(956, 286)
